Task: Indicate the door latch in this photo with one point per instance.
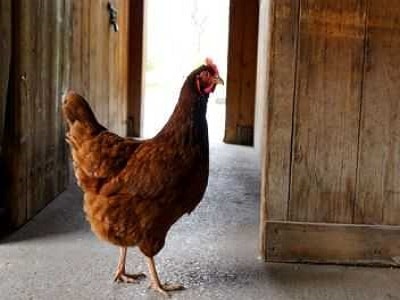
(113, 16)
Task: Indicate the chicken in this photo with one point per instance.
(135, 190)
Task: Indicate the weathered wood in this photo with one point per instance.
(119, 71)
(333, 243)
(100, 33)
(242, 66)
(99, 69)
(5, 54)
(135, 66)
(378, 197)
(278, 114)
(33, 146)
(327, 105)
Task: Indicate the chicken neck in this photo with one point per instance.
(188, 124)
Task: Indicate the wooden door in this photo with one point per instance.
(331, 161)
(34, 148)
(106, 65)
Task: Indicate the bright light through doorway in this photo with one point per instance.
(180, 34)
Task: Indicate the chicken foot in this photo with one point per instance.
(155, 281)
(120, 275)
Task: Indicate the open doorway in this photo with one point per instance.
(179, 35)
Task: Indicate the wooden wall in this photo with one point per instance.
(242, 66)
(34, 151)
(331, 147)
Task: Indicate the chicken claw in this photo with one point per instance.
(165, 288)
(155, 281)
(121, 276)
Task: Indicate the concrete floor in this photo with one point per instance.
(213, 252)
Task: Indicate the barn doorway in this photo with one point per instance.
(203, 25)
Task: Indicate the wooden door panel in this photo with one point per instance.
(344, 203)
(5, 54)
(327, 104)
(378, 197)
(35, 153)
(99, 69)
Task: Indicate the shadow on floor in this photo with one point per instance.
(62, 216)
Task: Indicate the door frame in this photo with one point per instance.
(241, 71)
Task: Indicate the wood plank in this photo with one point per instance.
(135, 34)
(327, 105)
(32, 116)
(242, 66)
(333, 243)
(80, 52)
(280, 92)
(15, 141)
(5, 54)
(264, 38)
(77, 65)
(118, 71)
(65, 72)
(378, 194)
(100, 31)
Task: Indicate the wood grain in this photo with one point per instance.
(327, 104)
(33, 146)
(378, 196)
(242, 66)
(100, 60)
(135, 60)
(5, 54)
(278, 114)
(333, 243)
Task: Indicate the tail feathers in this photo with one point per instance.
(77, 110)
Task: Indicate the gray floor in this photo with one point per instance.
(213, 252)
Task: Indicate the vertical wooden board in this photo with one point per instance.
(242, 65)
(5, 54)
(38, 71)
(32, 119)
(15, 140)
(100, 31)
(49, 167)
(80, 51)
(378, 193)
(264, 38)
(135, 32)
(77, 66)
(64, 83)
(328, 86)
(279, 106)
(118, 71)
(123, 70)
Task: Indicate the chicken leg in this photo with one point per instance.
(120, 275)
(155, 281)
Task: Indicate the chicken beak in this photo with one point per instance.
(218, 80)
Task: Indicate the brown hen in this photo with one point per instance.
(134, 191)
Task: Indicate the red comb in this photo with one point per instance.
(210, 62)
